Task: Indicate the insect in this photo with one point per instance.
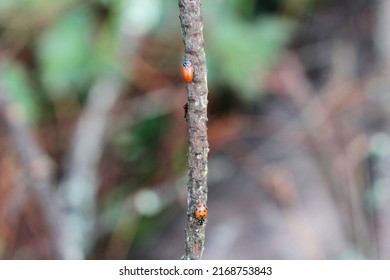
(185, 108)
(187, 71)
(201, 213)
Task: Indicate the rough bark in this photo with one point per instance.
(192, 31)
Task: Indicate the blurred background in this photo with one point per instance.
(93, 140)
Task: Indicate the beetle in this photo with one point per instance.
(187, 71)
(201, 213)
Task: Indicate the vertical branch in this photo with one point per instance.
(78, 190)
(192, 30)
(37, 165)
(382, 36)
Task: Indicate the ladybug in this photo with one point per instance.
(187, 71)
(201, 213)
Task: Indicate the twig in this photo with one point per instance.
(192, 29)
(37, 164)
(79, 188)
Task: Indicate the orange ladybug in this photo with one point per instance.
(201, 213)
(187, 71)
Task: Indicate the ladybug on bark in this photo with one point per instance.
(201, 213)
(187, 71)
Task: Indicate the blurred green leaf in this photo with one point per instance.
(140, 146)
(20, 88)
(242, 53)
(64, 53)
(112, 206)
(7, 6)
(106, 59)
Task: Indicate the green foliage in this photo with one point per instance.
(9, 6)
(64, 52)
(139, 147)
(19, 84)
(251, 9)
(112, 206)
(240, 53)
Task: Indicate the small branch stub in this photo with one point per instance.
(195, 75)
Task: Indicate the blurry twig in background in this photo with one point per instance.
(37, 165)
(81, 183)
(322, 117)
(70, 213)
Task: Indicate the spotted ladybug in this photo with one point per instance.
(187, 71)
(201, 213)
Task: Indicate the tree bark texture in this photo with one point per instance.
(192, 32)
